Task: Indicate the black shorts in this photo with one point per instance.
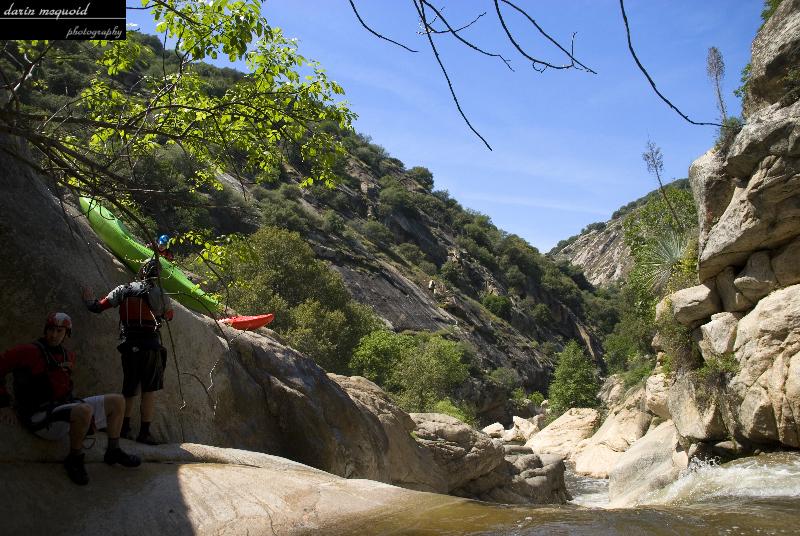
(142, 365)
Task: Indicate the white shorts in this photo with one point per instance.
(59, 418)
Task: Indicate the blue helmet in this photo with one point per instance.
(163, 240)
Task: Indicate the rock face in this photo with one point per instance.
(748, 203)
(196, 490)
(477, 467)
(568, 435)
(763, 401)
(773, 51)
(651, 463)
(624, 424)
(408, 464)
(603, 255)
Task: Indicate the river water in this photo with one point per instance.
(752, 496)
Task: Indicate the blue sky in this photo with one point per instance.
(566, 144)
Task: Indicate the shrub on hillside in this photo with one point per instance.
(575, 381)
(419, 371)
(377, 233)
(423, 176)
(499, 306)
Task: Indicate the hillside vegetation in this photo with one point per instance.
(485, 313)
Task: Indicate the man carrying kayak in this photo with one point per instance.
(143, 307)
(162, 247)
(45, 403)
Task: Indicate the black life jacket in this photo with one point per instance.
(35, 391)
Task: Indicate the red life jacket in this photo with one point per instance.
(135, 312)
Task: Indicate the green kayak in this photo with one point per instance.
(119, 239)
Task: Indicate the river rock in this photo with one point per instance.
(695, 303)
(624, 424)
(568, 435)
(462, 453)
(649, 464)
(763, 397)
(522, 479)
(409, 466)
(495, 430)
(786, 264)
(524, 429)
(612, 391)
(695, 412)
(719, 335)
(732, 298)
(757, 279)
(657, 393)
(775, 49)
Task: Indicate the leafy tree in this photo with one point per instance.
(451, 272)
(275, 271)
(422, 176)
(379, 354)
(575, 382)
(93, 138)
(541, 315)
(499, 306)
(332, 222)
(420, 371)
(429, 374)
(378, 234)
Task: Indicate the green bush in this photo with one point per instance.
(505, 377)
(274, 271)
(451, 272)
(536, 397)
(447, 407)
(400, 200)
(499, 306)
(541, 315)
(379, 354)
(332, 222)
(423, 176)
(430, 374)
(575, 382)
(411, 252)
(419, 371)
(378, 234)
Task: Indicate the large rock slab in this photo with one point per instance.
(719, 335)
(763, 398)
(462, 453)
(651, 463)
(695, 412)
(732, 298)
(764, 211)
(757, 279)
(624, 424)
(568, 435)
(196, 490)
(695, 303)
(712, 189)
(786, 264)
(409, 466)
(657, 395)
(223, 387)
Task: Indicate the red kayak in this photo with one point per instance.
(247, 322)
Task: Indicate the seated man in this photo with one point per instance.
(45, 404)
